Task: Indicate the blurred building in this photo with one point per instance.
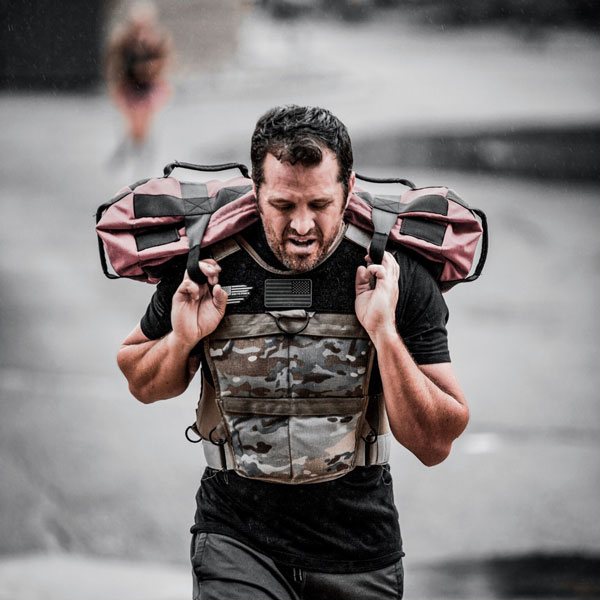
(51, 44)
(60, 45)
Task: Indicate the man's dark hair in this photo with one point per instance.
(298, 134)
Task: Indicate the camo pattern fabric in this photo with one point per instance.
(293, 405)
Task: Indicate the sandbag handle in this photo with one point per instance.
(484, 246)
(101, 249)
(212, 168)
(406, 182)
(386, 221)
(448, 285)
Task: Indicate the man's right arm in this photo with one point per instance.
(156, 369)
(163, 368)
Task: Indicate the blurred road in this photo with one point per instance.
(89, 475)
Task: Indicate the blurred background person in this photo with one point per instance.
(138, 54)
(497, 99)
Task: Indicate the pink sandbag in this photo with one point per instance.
(152, 221)
(457, 250)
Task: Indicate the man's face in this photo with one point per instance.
(302, 209)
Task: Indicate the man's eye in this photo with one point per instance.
(320, 205)
(283, 207)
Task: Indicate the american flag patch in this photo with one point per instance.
(237, 293)
(288, 293)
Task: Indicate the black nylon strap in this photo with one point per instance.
(383, 214)
(377, 247)
(192, 266)
(199, 210)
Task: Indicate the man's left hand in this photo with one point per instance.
(377, 295)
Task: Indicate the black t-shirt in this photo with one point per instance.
(349, 524)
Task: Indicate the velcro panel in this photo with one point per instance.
(155, 237)
(430, 203)
(292, 406)
(157, 205)
(424, 229)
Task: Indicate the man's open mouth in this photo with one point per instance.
(302, 243)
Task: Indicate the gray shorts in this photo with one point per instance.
(224, 568)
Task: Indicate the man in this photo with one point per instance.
(297, 499)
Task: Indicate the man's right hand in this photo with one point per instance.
(196, 312)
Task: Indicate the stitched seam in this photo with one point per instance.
(289, 418)
(399, 580)
(199, 554)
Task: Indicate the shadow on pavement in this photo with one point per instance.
(528, 576)
(566, 151)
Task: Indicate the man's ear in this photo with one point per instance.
(255, 192)
(351, 183)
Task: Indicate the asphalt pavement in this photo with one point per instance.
(97, 487)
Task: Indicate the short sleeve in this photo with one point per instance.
(156, 322)
(422, 314)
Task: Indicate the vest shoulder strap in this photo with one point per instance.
(359, 236)
(224, 248)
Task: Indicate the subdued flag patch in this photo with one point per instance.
(288, 293)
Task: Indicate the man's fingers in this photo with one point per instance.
(189, 288)
(365, 273)
(210, 261)
(389, 263)
(364, 281)
(362, 275)
(211, 270)
(378, 271)
(209, 266)
(361, 272)
(219, 298)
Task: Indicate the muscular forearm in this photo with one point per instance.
(425, 416)
(157, 369)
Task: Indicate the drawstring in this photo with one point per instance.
(297, 574)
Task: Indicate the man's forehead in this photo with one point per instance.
(276, 171)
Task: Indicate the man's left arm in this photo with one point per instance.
(426, 407)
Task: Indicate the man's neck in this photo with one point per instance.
(256, 237)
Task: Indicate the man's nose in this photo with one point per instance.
(302, 221)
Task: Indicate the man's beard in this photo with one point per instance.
(300, 263)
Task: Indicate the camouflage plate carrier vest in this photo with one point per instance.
(290, 400)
